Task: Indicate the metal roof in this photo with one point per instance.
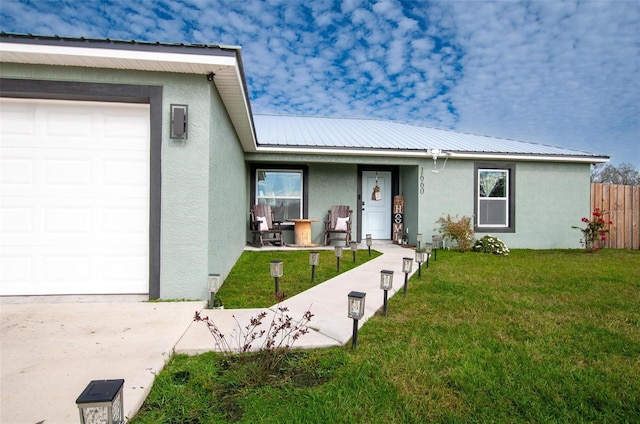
(375, 136)
(224, 62)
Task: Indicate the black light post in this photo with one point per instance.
(355, 311)
(338, 253)
(386, 283)
(354, 250)
(369, 241)
(407, 264)
(419, 239)
(314, 259)
(420, 260)
(276, 268)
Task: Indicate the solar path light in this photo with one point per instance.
(407, 264)
(338, 252)
(214, 286)
(420, 259)
(369, 241)
(355, 312)
(354, 250)
(101, 402)
(419, 239)
(436, 240)
(276, 269)
(314, 259)
(428, 248)
(386, 284)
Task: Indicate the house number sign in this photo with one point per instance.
(421, 180)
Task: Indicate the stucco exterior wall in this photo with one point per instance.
(201, 221)
(331, 184)
(228, 181)
(550, 198)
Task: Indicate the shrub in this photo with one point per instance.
(595, 232)
(491, 244)
(458, 230)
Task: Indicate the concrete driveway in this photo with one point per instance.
(49, 352)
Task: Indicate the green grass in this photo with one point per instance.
(250, 285)
(537, 336)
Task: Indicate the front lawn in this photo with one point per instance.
(250, 285)
(536, 336)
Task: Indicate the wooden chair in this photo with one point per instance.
(263, 224)
(337, 229)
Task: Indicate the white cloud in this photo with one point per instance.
(562, 73)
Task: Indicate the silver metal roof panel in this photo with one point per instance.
(306, 132)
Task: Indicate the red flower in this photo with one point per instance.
(585, 220)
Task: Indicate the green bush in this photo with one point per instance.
(458, 230)
(491, 244)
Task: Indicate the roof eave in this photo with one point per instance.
(225, 63)
(425, 153)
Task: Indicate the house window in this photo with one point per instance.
(282, 189)
(494, 206)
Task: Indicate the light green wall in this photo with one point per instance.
(228, 207)
(202, 216)
(331, 184)
(550, 198)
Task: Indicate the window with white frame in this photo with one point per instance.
(282, 189)
(494, 189)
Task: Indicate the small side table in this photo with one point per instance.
(302, 231)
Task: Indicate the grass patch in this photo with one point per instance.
(249, 284)
(537, 336)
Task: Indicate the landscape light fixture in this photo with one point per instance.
(419, 239)
(386, 284)
(314, 259)
(369, 241)
(355, 311)
(214, 286)
(354, 250)
(407, 264)
(337, 250)
(420, 259)
(428, 247)
(277, 270)
(436, 240)
(101, 402)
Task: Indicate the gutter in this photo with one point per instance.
(428, 154)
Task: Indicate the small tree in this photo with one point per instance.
(624, 174)
(458, 230)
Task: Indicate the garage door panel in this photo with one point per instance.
(74, 197)
(15, 172)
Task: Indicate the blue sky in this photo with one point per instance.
(562, 73)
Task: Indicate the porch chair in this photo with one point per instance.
(263, 224)
(338, 225)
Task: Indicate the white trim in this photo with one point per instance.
(427, 154)
(35, 50)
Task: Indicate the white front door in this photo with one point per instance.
(74, 197)
(376, 214)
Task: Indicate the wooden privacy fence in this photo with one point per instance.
(622, 202)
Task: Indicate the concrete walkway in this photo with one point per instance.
(50, 350)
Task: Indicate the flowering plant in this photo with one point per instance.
(491, 244)
(457, 230)
(595, 232)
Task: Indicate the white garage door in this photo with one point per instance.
(74, 197)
